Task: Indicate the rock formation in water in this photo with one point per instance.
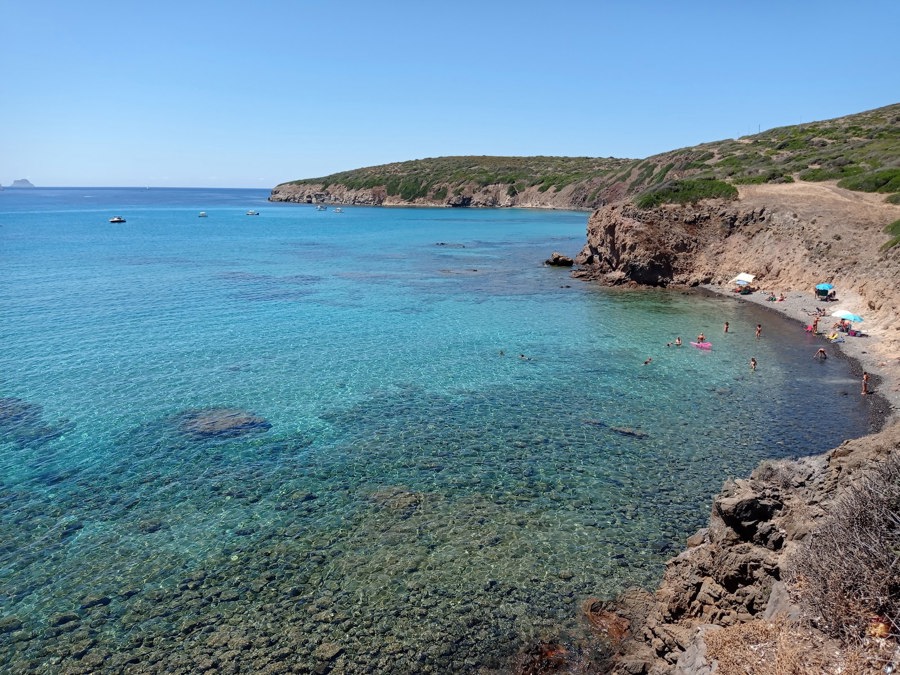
(220, 423)
(21, 183)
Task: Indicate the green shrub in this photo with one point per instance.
(686, 191)
(894, 198)
(440, 194)
(894, 230)
(887, 180)
(661, 176)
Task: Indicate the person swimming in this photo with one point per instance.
(678, 341)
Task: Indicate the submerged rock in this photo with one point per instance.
(221, 423)
(23, 423)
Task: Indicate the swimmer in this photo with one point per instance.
(758, 330)
(701, 338)
(820, 354)
(752, 363)
(726, 326)
(647, 361)
(678, 341)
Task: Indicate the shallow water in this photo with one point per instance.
(455, 445)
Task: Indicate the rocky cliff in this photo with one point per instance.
(734, 571)
(577, 196)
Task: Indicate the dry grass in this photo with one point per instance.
(782, 648)
(847, 574)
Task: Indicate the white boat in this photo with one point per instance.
(339, 210)
(252, 213)
(320, 207)
(117, 219)
(202, 214)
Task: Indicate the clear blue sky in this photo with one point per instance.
(257, 92)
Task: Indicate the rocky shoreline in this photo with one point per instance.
(734, 574)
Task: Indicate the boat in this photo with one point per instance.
(117, 219)
(702, 345)
(202, 214)
(339, 210)
(252, 213)
(320, 207)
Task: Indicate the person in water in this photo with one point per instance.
(726, 326)
(820, 354)
(647, 361)
(752, 363)
(865, 383)
(678, 341)
(701, 338)
(758, 330)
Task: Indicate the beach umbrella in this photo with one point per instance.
(741, 282)
(848, 316)
(824, 287)
(743, 276)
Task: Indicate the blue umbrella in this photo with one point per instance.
(848, 316)
(824, 287)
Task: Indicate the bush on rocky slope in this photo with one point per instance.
(847, 572)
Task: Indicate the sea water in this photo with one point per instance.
(450, 444)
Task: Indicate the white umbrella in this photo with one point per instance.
(743, 276)
(848, 316)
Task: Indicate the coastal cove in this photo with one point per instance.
(383, 439)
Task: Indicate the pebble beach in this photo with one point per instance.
(865, 350)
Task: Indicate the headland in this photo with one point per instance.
(739, 586)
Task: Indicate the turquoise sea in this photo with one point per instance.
(383, 440)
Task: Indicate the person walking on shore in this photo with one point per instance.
(758, 330)
(865, 383)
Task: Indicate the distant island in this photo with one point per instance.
(21, 183)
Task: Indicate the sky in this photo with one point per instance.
(199, 93)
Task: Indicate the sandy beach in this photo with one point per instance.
(866, 350)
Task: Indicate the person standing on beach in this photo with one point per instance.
(865, 383)
(758, 330)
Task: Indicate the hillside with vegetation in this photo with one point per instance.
(861, 151)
